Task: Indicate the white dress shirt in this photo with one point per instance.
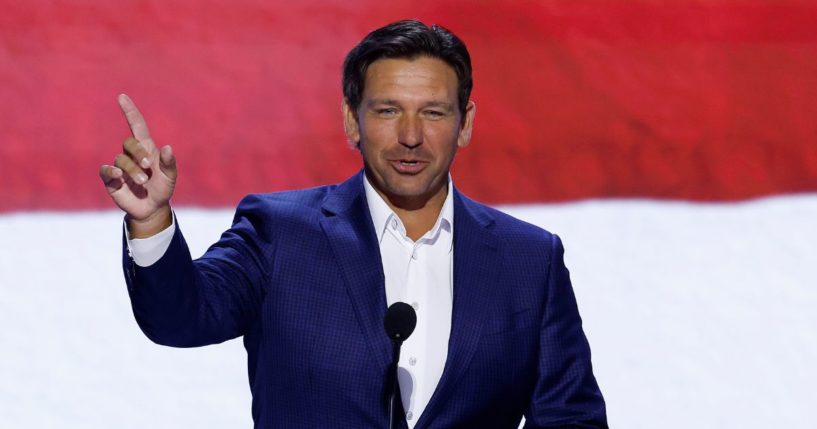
(146, 251)
(419, 273)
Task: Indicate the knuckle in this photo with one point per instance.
(124, 162)
(130, 144)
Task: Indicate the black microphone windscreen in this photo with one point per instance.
(400, 321)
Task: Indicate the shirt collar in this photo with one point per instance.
(382, 214)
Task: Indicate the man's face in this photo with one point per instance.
(409, 127)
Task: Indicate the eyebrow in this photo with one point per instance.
(442, 104)
(391, 102)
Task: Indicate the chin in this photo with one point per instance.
(407, 191)
(418, 190)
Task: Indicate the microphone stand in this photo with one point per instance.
(399, 323)
(396, 343)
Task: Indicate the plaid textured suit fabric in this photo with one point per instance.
(299, 275)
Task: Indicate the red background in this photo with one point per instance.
(702, 100)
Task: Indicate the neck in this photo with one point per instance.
(418, 214)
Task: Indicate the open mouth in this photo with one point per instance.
(408, 166)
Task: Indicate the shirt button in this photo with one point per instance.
(414, 254)
(409, 415)
(412, 361)
(394, 223)
(415, 305)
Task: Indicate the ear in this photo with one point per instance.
(350, 124)
(467, 124)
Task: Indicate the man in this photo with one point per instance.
(306, 276)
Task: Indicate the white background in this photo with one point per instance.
(699, 316)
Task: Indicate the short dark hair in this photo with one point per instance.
(406, 39)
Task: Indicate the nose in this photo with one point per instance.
(410, 133)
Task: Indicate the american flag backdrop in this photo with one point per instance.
(671, 144)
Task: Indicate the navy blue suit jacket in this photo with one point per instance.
(299, 276)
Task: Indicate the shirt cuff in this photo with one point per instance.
(146, 251)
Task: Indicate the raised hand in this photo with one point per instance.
(142, 179)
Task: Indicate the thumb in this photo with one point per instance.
(167, 162)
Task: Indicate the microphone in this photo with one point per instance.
(399, 323)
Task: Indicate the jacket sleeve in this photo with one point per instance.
(566, 394)
(184, 303)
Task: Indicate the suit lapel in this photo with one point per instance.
(475, 271)
(348, 227)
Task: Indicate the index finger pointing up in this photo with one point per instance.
(135, 120)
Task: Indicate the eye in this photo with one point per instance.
(386, 112)
(434, 114)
